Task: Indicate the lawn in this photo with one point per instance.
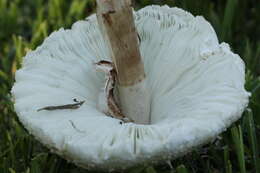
(25, 23)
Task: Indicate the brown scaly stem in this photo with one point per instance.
(116, 23)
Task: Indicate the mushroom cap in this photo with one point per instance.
(196, 86)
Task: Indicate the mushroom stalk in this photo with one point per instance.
(116, 22)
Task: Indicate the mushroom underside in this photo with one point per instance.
(196, 87)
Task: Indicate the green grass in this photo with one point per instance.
(25, 23)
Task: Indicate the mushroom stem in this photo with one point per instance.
(116, 23)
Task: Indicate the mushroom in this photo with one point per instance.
(196, 90)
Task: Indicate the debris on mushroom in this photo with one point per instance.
(60, 107)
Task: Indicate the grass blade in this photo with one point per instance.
(228, 165)
(228, 19)
(239, 146)
(252, 140)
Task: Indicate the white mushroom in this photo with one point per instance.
(196, 86)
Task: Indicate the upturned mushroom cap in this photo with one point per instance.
(196, 86)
